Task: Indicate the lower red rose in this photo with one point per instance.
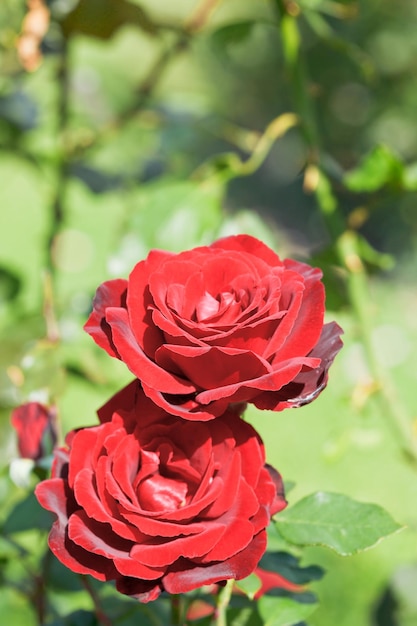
(157, 503)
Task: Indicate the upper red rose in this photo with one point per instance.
(35, 427)
(216, 325)
(158, 503)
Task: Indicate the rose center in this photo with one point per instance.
(209, 306)
(160, 493)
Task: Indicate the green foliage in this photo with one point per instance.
(77, 618)
(27, 515)
(10, 285)
(98, 18)
(149, 125)
(335, 521)
(249, 585)
(377, 169)
(289, 567)
(284, 611)
(175, 215)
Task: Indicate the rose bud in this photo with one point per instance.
(219, 325)
(158, 503)
(35, 427)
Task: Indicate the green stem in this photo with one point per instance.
(102, 618)
(176, 610)
(291, 42)
(299, 80)
(223, 600)
(358, 290)
(57, 217)
(346, 240)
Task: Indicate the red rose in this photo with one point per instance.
(156, 503)
(218, 325)
(35, 427)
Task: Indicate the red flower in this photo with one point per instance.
(34, 424)
(156, 503)
(218, 325)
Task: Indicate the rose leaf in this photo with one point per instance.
(335, 521)
(284, 611)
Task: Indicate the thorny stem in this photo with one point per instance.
(57, 216)
(346, 241)
(223, 600)
(98, 609)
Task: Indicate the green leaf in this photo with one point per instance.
(335, 521)
(288, 566)
(10, 285)
(77, 618)
(27, 514)
(410, 177)
(333, 279)
(241, 616)
(15, 610)
(380, 167)
(249, 585)
(102, 18)
(124, 611)
(276, 541)
(61, 578)
(283, 611)
(232, 34)
(172, 216)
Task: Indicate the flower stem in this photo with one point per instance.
(358, 289)
(57, 208)
(102, 618)
(176, 610)
(346, 241)
(223, 600)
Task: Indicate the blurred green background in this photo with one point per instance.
(124, 126)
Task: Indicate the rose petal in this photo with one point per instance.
(137, 361)
(272, 381)
(185, 576)
(212, 367)
(110, 294)
(162, 553)
(139, 300)
(96, 539)
(248, 245)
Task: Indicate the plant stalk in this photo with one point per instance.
(223, 600)
(358, 290)
(102, 618)
(57, 209)
(346, 240)
(176, 610)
